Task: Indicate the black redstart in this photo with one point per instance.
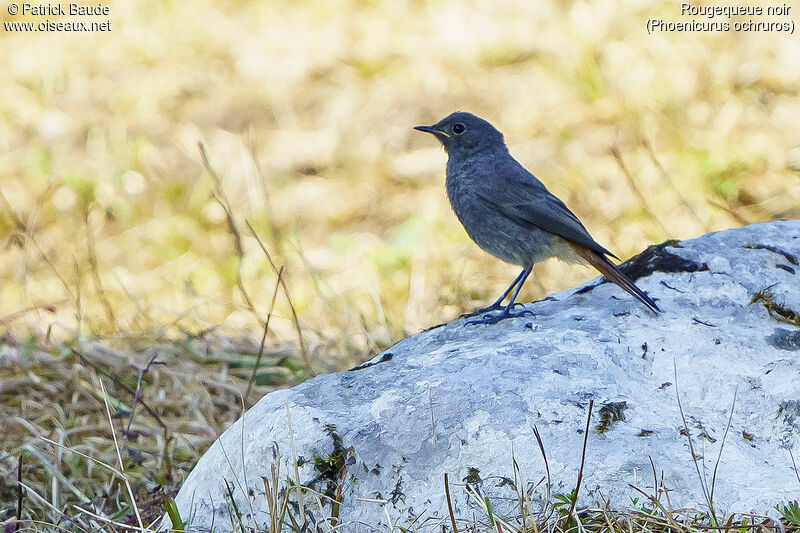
(511, 214)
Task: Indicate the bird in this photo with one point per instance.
(509, 213)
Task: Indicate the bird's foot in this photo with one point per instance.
(489, 309)
(507, 313)
(481, 311)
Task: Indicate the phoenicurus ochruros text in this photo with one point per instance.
(511, 214)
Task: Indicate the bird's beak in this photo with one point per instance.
(431, 129)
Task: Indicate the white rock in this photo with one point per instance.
(463, 399)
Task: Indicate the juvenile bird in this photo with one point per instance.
(511, 214)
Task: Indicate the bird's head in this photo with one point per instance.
(463, 133)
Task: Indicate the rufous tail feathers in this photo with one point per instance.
(612, 273)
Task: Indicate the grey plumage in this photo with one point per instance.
(508, 212)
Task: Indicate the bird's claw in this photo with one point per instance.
(507, 313)
(482, 311)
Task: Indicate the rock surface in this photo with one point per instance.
(465, 399)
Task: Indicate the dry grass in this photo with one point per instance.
(170, 400)
(113, 228)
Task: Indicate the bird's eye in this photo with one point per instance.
(459, 128)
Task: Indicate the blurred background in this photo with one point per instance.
(111, 225)
(114, 229)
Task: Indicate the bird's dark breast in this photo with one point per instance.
(495, 233)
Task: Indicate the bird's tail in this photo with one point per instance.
(612, 273)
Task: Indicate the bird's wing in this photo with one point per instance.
(528, 203)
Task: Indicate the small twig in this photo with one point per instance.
(666, 493)
(43, 500)
(272, 504)
(303, 350)
(272, 499)
(222, 200)
(119, 457)
(297, 528)
(483, 502)
(670, 521)
(88, 457)
(522, 494)
(19, 493)
(655, 476)
(546, 500)
(122, 385)
(236, 482)
(263, 247)
(219, 195)
(722, 444)
(246, 487)
(120, 525)
(264, 336)
(583, 458)
(433, 427)
(794, 465)
(55, 527)
(294, 462)
(691, 448)
(136, 398)
(449, 503)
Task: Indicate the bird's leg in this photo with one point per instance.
(498, 304)
(507, 311)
